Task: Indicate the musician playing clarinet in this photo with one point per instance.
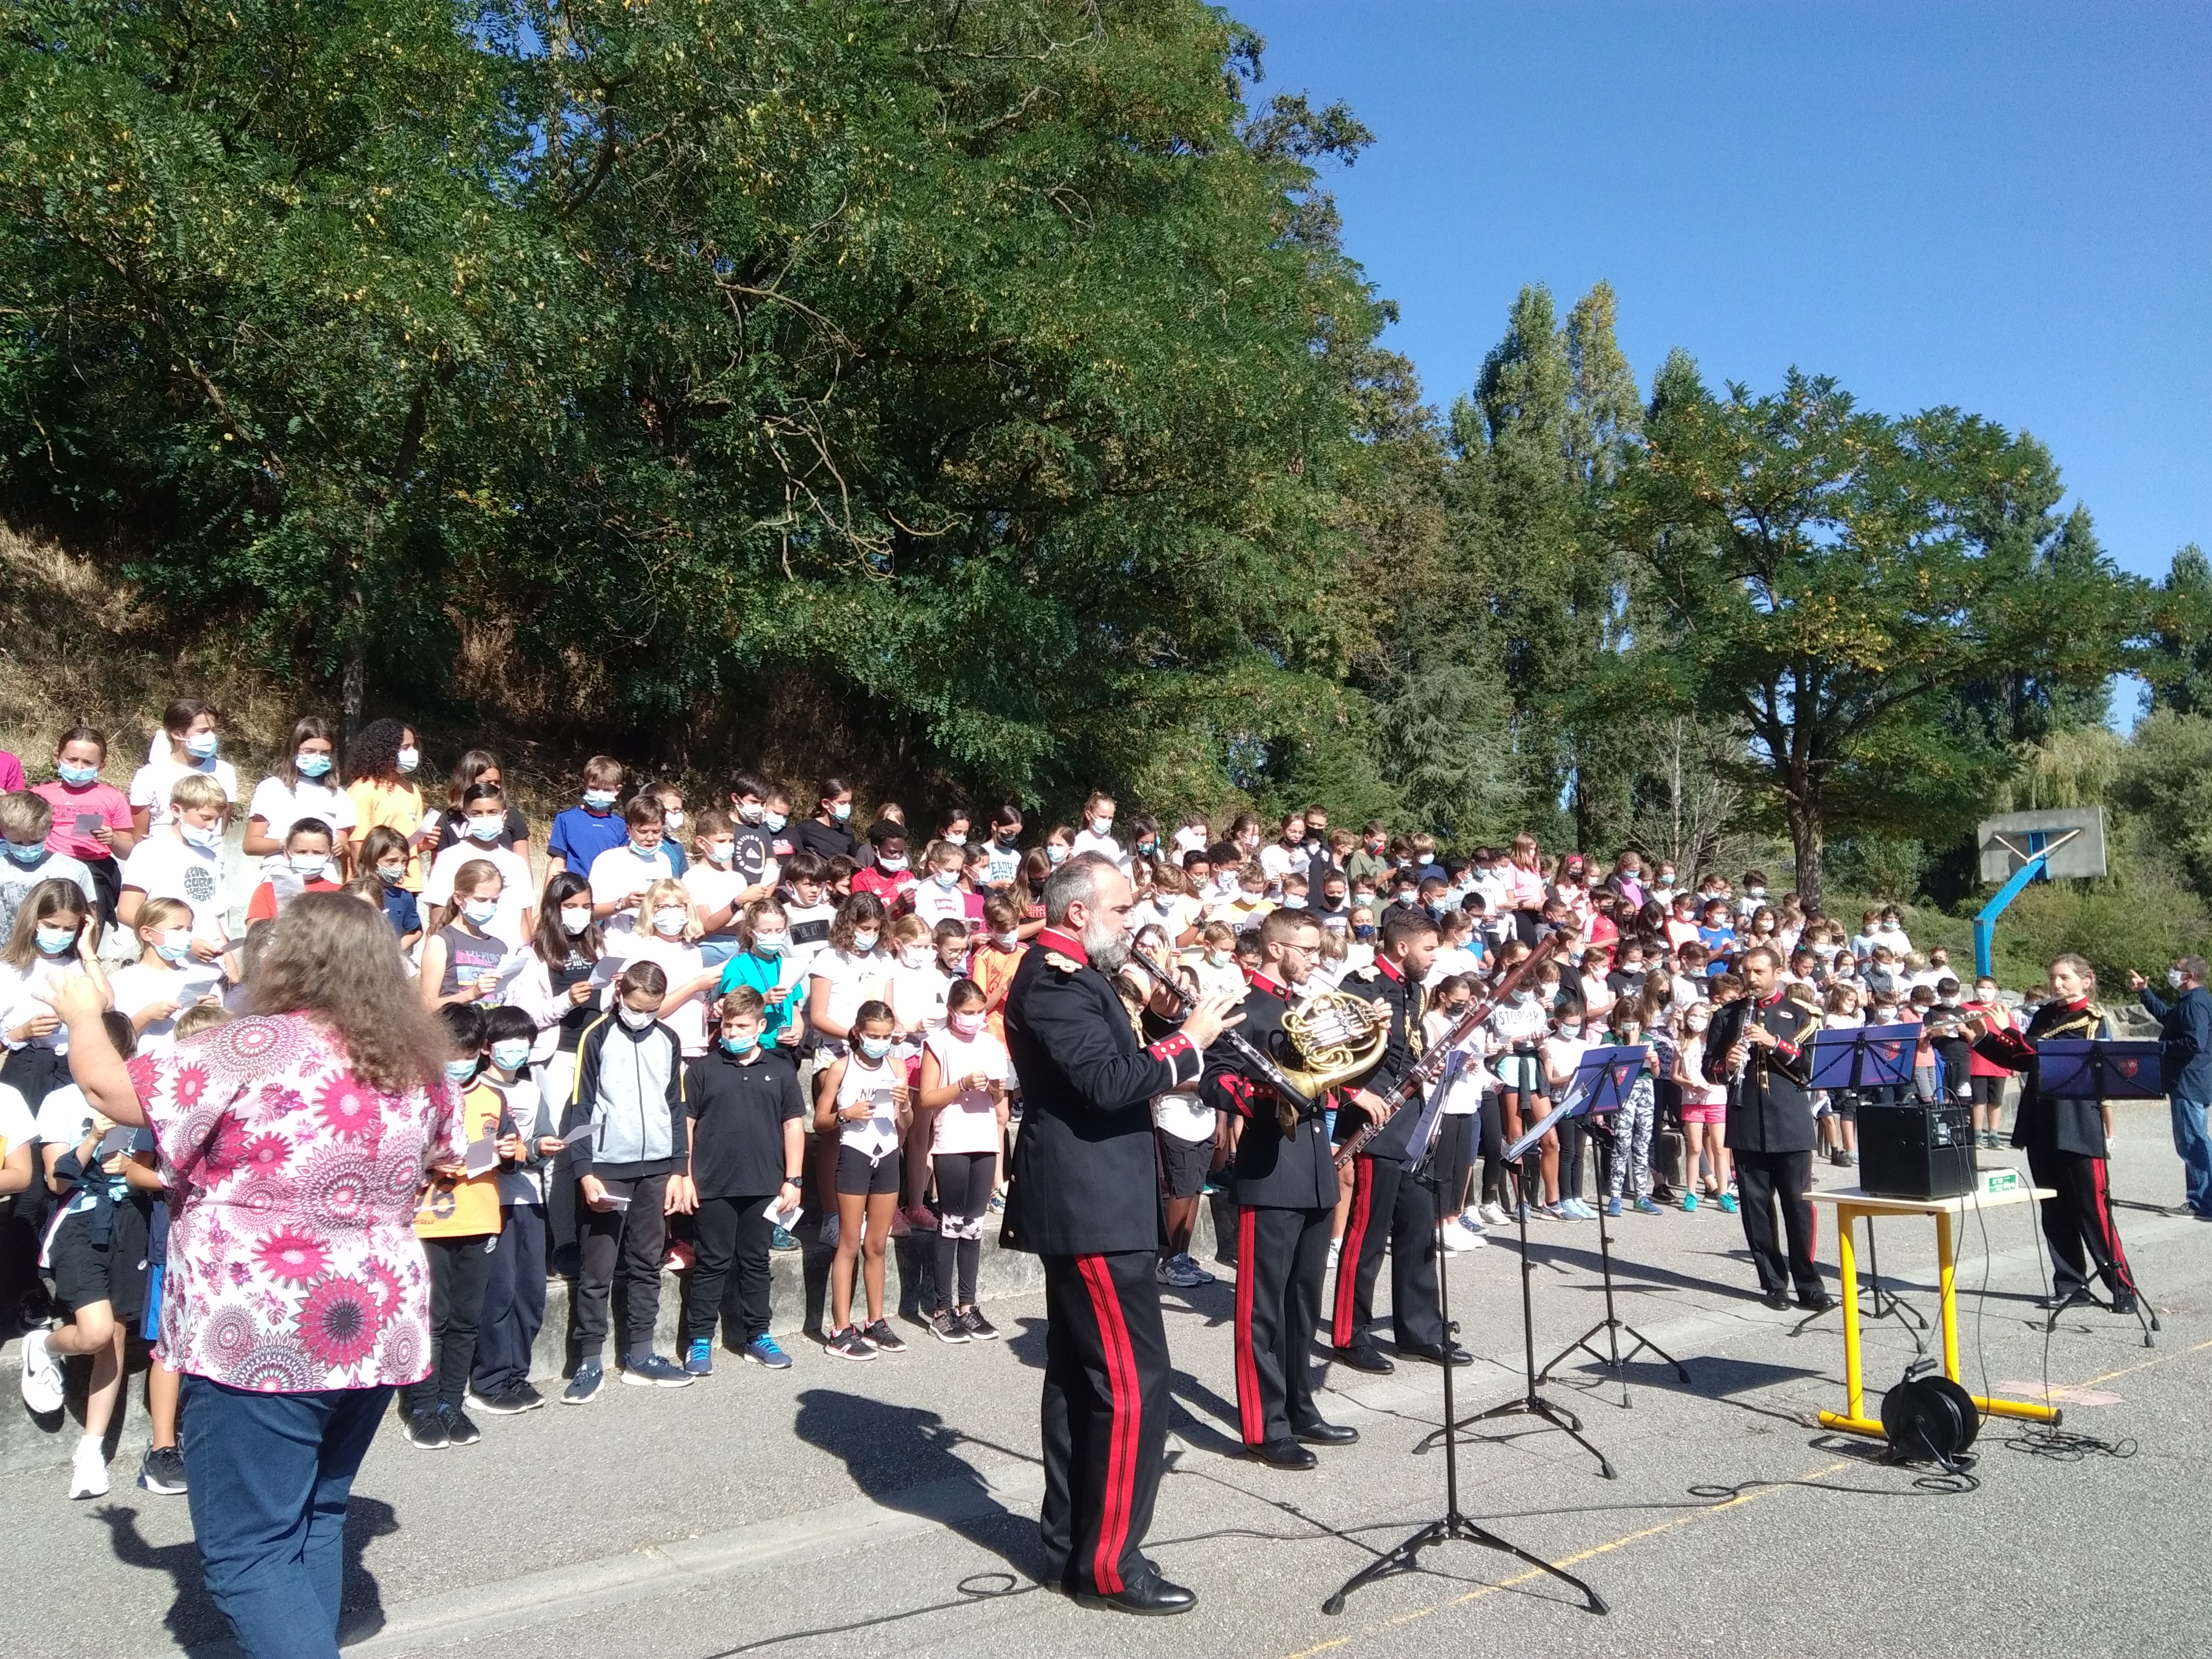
(1084, 1197)
(1286, 1184)
(1388, 1209)
(1758, 1045)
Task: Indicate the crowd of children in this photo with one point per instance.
(698, 1027)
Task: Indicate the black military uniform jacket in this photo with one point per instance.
(1408, 1001)
(2047, 1122)
(1771, 1110)
(1084, 1175)
(1272, 1173)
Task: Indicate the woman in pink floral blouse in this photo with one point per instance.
(295, 1145)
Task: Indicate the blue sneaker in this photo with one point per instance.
(781, 1239)
(1689, 1204)
(1728, 1204)
(765, 1350)
(699, 1360)
(584, 1387)
(1613, 1206)
(1645, 1206)
(650, 1371)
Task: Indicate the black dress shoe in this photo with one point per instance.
(1819, 1302)
(1150, 1595)
(1318, 1433)
(1363, 1359)
(2078, 1297)
(1778, 1300)
(1284, 1454)
(1437, 1354)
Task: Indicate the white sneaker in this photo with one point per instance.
(1493, 1215)
(42, 1375)
(1336, 1248)
(89, 1471)
(1459, 1237)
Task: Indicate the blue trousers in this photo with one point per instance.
(514, 1302)
(270, 1475)
(2195, 1146)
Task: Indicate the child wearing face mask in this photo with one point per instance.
(765, 965)
(183, 859)
(1216, 969)
(1005, 849)
(668, 934)
(153, 991)
(916, 988)
(716, 887)
(1096, 835)
(384, 854)
(483, 820)
(887, 880)
(1517, 1026)
(184, 747)
(1563, 1053)
(1705, 1116)
(938, 897)
(307, 867)
(47, 943)
(581, 833)
(963, 1088)
(669, 799)
(1058, 846)
(854, 969)
(632, 1172)
(514, 1290)
(620, 875)
(91, 819)
(26, 822)
(1628, 1170)
(748, 1141)
(807, 906)
(864, 1106)
(307, 788)
(462, 956)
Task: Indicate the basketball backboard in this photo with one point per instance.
(2074, 837)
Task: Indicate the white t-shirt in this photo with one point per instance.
(970, 1123)
(18, 1123)
(1106, 846)
(934, 904)
(280, 805)
(853, 980)
(1452, 959)
(680, 960)
(619, 872)
(809, 931)
(151, 785)
(711, 886)
(876, 1137)
(141, 985)
(917, 997)
(64, 1116)
(164, 865)
(1277, 860)
(527, 1111)
(515, 892)
(1464, 1098)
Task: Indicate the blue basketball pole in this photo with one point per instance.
(1985, 923)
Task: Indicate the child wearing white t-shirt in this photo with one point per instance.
(964, 1087)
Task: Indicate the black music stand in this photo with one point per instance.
(1878, 1057)
(1603, 1082)
(1454, 1525)
(2079, 1068)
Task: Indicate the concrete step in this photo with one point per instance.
(799, 1300)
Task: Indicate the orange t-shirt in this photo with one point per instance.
(262, 906)
(994, 969)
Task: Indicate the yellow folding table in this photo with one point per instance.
(1852, 1205)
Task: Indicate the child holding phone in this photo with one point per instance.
(865, 1104)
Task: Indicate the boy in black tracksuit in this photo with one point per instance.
(748, 1146)
(631, 1172)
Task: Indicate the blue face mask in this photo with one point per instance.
(512, 1055)
(27, 855)
(69, 773)
(947, 879)
(56, 941)
(480, 911)
(652, 851)
(460, 1071)
(875, 1047)
(310, 766)
(599, 800)
(201, 746)
(487, 828)
(741, 1045)
(1364, 931)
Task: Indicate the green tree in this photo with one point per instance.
(2178, 660)
(1831, 578)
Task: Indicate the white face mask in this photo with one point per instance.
(637, 1018)
(309, 865)
(673, 819)
(487, 828)
(753, 813)
(1005, 941)
(207, 839)
(480, 911)
(409, 759)
(953, 839)
(893, 862)
(1055, 854)
(1100, 826)
(2173, 977)
(775, 821)
(947, 879)
(721, 852)
(176, 944)
(1217, 958)
(669, 923)
(576, 918)
(915, 956)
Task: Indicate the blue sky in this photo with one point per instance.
(2006, 208)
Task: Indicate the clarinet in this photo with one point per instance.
(1430, 1066)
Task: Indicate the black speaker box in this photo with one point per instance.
(1915, 1150)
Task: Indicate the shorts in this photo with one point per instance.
(1183, 1164)
(1988, 1091)
(114, 1273)
(857, 1176)
(1520, 1074)
(1715, 1114)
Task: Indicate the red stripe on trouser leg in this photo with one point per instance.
(1251, 1412)
(1128, 1405)
(1347, 1253)
(2097, 1175)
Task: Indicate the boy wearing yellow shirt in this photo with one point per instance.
(458, 1224)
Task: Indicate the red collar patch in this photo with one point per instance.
(1052, 938)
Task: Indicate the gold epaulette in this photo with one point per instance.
(1066, 964)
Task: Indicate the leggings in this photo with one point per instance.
(1452, 1157)
(1574, 1135)
(964, 1198)
(1493, 1150)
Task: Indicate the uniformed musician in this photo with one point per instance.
(1085, 1198)
(2064, 1140)
(1388, 1210)
(1285, 1186)
(1761, 1050)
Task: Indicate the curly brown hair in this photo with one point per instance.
(331, 956)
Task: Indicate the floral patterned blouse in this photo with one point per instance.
(293, 1262)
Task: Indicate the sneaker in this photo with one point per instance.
(584, 1387)
(847, 1344)
(459, 1431)
(980, 1329)
(828, 1234)
(162, 1470)
(780, 1240)
(89, 1471)
(699, 1357)
(425, 1430)
(1459, 1240)
(1689, 1204)
(1613, 1206)
(651, 1370)
(920, 1218)
(507, 1400)
(42, 1375)
(882, 1338)
(1728, 1204)
(1193, 1275)
(765, 1350)
(999, 1200)
(1582, 1211)
(947, 1326)
(1645, 1206)
(1493, 1215)
(1336, 1249)
(682, 1255)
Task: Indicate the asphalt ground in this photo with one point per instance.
(888, 1508)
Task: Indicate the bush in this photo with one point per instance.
(2143, 925)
